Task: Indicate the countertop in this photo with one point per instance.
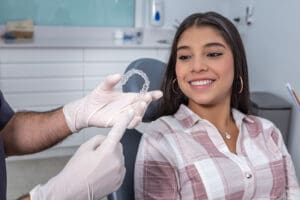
(87, 37)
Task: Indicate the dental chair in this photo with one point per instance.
(155, 71)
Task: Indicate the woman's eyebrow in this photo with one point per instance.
(213, 44)
(182, 47)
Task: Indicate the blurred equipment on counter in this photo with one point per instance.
(18, 31)
(128, 36)
(273, 108)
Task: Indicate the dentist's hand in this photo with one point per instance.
(95, 170)
(103, 105)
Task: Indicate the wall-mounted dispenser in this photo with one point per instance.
(249, 15)
(156, 12)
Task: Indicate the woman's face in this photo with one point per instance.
(204, 66)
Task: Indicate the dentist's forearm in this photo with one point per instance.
(25, 197)
(30, 132)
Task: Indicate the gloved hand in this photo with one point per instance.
(95, 170)
(101, 107)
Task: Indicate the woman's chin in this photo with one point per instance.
(202, 102)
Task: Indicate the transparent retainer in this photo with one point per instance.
(131, 72)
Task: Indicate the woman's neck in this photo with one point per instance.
(219, 115)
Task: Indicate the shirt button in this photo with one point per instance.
(248, 175)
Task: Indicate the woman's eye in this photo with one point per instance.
(214, 54)
(183, 57)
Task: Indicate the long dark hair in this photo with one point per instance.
(173, 96)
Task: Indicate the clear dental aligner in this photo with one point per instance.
(131, 72)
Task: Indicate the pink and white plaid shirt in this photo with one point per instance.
(185, 157)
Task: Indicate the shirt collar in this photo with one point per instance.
(240, 117)
(187, 118)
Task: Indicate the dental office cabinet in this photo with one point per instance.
(48, 73)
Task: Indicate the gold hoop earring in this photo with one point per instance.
(242, 85)
(173, 83)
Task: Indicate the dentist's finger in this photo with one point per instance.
(117, 131)
(134, 122)
(93, 143)
(156, 94)
(149, 96)
(110, 82)
(139, 108)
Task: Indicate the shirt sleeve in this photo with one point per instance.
(6, 112)
(292, 187)
(155, 176)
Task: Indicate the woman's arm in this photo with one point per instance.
(292, 188)
(30, 132)
(155, 177)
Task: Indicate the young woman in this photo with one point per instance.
(205, 145)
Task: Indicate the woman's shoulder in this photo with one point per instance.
(260, 121)
(162, 125)
(252, 120)
(260, 126)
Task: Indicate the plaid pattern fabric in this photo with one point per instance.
(185, 157)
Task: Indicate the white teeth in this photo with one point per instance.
(201, 83)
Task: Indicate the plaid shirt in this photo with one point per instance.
(185, 157)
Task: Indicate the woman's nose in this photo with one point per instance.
(199, 65)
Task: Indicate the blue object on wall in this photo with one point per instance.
(103, 13)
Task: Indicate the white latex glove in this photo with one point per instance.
(95, 170)
(103, 105)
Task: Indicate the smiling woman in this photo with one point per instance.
(205, 145)
(104, 13)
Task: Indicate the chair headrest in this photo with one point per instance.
(155, 71)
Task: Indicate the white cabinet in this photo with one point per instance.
(42, 79)
(45, 78)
